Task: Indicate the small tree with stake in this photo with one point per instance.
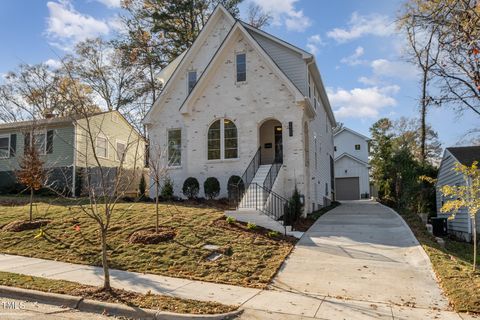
(31, 172)
(467, 196)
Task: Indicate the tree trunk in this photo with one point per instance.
(106, 270)
(474, 226)
(31, 204)
(156, 207)
(423, 118)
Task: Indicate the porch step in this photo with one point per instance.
(254, 196)
(262, 220)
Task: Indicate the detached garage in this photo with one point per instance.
(347, 188)
(352, 181)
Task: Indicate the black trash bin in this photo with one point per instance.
(439, 226)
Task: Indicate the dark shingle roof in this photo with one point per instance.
(466, 155)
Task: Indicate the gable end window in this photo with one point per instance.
(101, 147)
(222, 140)
(357, 147)
(241, 66)
(191, 80)
(174, 147)
(4, 147)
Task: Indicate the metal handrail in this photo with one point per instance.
(272, 175)
(248, 174)
(273, 204)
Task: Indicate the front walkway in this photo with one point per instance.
(358, 261)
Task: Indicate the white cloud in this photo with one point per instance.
(354, 59)
(358, 26)
(66, 26)
(362, 102)
(52, 63)
(394, 69)
(111, 3)
(313, 43)
(284, 12)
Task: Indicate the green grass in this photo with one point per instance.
(149, 301)
(453, 266)
(254, 260)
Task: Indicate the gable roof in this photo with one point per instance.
(219, 11)
(466, 155)
(238, 28)
(352, 132)
(351, 157)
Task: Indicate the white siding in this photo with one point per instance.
(345, 142)
(347, 167)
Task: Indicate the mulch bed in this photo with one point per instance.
(17, 226)
(303, 224)
(149, 236)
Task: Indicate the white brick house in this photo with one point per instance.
(237, 95)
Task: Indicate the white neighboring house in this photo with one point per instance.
(461, 226)
(241, 102)
(352, 179)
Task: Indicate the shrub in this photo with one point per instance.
(294, 206)
(211, 187)
(167, 189)
(190, 188)
(273, 234)
(142, 186)
(230, 220)
(251, 226)
(235, 187)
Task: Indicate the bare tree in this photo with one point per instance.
(158, 165)
(257, 17)
(458, 63)
(423, 52)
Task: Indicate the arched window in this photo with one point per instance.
(222, 140)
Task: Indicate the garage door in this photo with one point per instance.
(347, 188)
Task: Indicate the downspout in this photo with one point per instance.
(74, 167)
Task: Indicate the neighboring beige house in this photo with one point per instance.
(66, 149)
(241, 102)
(352, 178)
(461, 226)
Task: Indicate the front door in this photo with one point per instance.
(278, 144)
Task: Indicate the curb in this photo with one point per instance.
(93, 306)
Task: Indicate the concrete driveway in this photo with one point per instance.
(363, 251)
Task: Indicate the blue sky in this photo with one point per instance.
(357, 48)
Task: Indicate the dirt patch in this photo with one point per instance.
(303, 224)
(13, 202)
(149, 236)
(17, 226)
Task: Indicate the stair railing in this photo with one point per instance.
(247, 176)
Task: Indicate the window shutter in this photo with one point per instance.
(13, 145)
(26, 142)
(50, 141)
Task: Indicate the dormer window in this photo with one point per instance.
(241, 66)
(192, 80)
(357, 147)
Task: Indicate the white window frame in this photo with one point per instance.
(106, 146)
(38, 133)
(116, 150)
(188, 80)
(168, 146)
(237, 53)
(9, 137)
(222, 140)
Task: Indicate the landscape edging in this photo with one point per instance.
(87, 305)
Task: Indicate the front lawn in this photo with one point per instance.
(250, 258)
(453, 266)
